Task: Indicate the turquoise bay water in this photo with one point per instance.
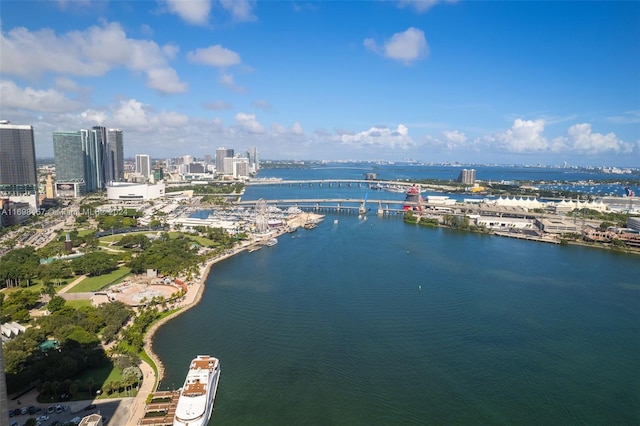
(331, 327)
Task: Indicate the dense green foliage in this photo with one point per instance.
(218, 235)
(136, 241)
(55, 272)
(168, 256)
(74, 337)
(95, 263)
(112, 221)
(15, 306)
(214, 188)
(614, 218)
(19, 267)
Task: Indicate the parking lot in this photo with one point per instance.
(63, 413)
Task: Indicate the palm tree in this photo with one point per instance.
(90, 382)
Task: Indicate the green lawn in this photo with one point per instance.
(202, 241)
(101, 281)
(83, 232)
(76, 304)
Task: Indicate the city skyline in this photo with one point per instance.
(469, 82)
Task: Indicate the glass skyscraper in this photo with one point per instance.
(93, 146)
(18, 175)
(69, 158)
(114, 156)
(70, 164)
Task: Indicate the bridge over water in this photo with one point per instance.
(391, 207)
(358, 183)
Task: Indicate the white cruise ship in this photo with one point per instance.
(198, 392)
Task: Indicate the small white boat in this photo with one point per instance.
(271, 242)
(335, 221)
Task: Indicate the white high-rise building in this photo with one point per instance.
(240, 167)
(143, 165)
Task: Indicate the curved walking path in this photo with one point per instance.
(150, 382)
(136, 411)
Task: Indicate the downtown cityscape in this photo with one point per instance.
(361, 212)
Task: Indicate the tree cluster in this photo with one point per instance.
(19, 267)
(168, 256)
(76, 333)
(95, 263)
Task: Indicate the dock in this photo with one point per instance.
(161, 410)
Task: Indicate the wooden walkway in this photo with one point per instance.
(161, 410)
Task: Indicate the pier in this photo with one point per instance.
(394, 207)
(355, 183)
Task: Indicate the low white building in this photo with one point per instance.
(503, 223)
(126, 191)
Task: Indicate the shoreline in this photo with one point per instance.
(199, 284)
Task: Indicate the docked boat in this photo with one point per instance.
(310, 225)
(271, 242)
(198, 393)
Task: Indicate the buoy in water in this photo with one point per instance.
(420, 287)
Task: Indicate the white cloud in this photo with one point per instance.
(454, 139)
(131, 113)
(92, 52)
(172, 119)
(627, 117)
(297, 129)
(195, 12)
(580, 138)
(166, 80)
(69, 85)
(215, 56)
(377, 137)
(15, 97)
(249, 122)
(240, 10)
(93, 116)
(405, 47)
(421, 6)
(136, 116)
(217, 105)
(523, 136)
(227, 81)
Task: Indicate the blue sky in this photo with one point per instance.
(469, 81)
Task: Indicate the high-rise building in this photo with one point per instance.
(221, 154)
(93, 147)
(240, 167)
(254, 162)
(70, 164)
(143, 165)
(18, 175)
(115, 156)
(69, 157)
(468, 177)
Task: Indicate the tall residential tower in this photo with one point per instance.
(70, 164)
(114, 156)
(18, 175)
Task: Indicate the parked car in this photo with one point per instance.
(89, 407)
